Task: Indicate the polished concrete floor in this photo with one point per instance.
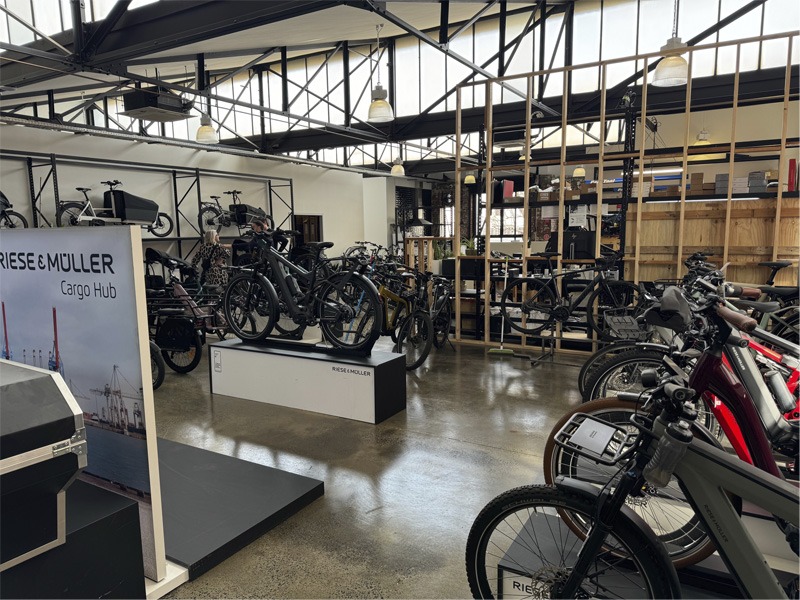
(400, 496)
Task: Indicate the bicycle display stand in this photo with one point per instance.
(707, 579)
(549, 353)
(300, 375)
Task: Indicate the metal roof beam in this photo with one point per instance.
(105, 27)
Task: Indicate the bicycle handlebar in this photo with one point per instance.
(738, 320)
(111, 183)
(233, 192)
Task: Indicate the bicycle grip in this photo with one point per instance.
(738, 320)
(738, 291)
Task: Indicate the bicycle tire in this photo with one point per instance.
(72, 210)
(186, 361)
(540, 301)
(790, 327)
(158, 367)
(11, 219)
(665, 510)
(620, 296)
(209, 218)
(621, 373)
(359, 325)
(398, 322)
(441, 325)
(597, 359)
(162, 226)
(524, 518)
(250, 310)
(415, 339)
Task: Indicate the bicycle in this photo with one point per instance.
(213, 216)
(746, 411)
(70, 214)
(10, 219)
(416, 333)
(532, 304)
(345, 305)
(595, 545)
(441, 310)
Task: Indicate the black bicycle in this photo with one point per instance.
(533, 304)
(10, 219)
(345, 305)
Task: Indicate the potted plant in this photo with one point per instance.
(438, 255)
(468, 245)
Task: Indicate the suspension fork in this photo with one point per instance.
(608, 508)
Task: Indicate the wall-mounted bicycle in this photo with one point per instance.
(118, 208)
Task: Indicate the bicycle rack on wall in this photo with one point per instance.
(36, 195)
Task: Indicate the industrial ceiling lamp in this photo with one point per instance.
(397, 168)
(579, 172)
(702, 138)
(380, 111)
(206, 134)
(469, 179)
(419, 221)
(673, 69)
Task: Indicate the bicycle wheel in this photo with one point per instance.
(68, 213)
(12, 220)
(666, 509)
(157, 365)
(350, 313)
(527, 305)
(622, 373)
(208, 219)
(184, 362)
(398, 322)
(597, 359)
(441, 325)
(162, 226)
(613, 299)
(249, 308)
(520, 545)
(789, 324)
(415, 339)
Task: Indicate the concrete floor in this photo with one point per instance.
(400, 496)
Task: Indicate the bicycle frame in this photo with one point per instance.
(552, 284)
(708, 474)
(303, 307)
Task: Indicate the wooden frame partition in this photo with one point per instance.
(654, 229)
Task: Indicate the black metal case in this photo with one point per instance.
(42, 450)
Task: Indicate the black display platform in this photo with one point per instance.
(102, 557)
(214, 505)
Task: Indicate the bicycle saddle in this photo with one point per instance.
(762, 307)
(319, 245)
(777, 264)
(546, 254)
(781, 291)
(82, 189)
(215, 197)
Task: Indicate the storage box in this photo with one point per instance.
(42, 450)
(246, 213)
(130, 208)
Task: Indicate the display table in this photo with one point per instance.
(363, 388)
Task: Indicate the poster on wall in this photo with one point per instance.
(73, 301)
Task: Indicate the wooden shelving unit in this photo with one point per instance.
(661, 230)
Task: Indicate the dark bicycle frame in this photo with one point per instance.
(551, 283)
(304, 308)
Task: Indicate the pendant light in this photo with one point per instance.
(419, 221)
(469, 179)
(702, 137)
(206, 134)
(397, 168)
(672, 70)
(380, 111)
(579, 172)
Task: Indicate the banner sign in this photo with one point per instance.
(73, 302)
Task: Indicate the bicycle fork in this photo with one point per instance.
(608, 508)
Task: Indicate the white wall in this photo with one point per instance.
(336, 195)
(376, 218)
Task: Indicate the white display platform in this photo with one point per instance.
(369, 389)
